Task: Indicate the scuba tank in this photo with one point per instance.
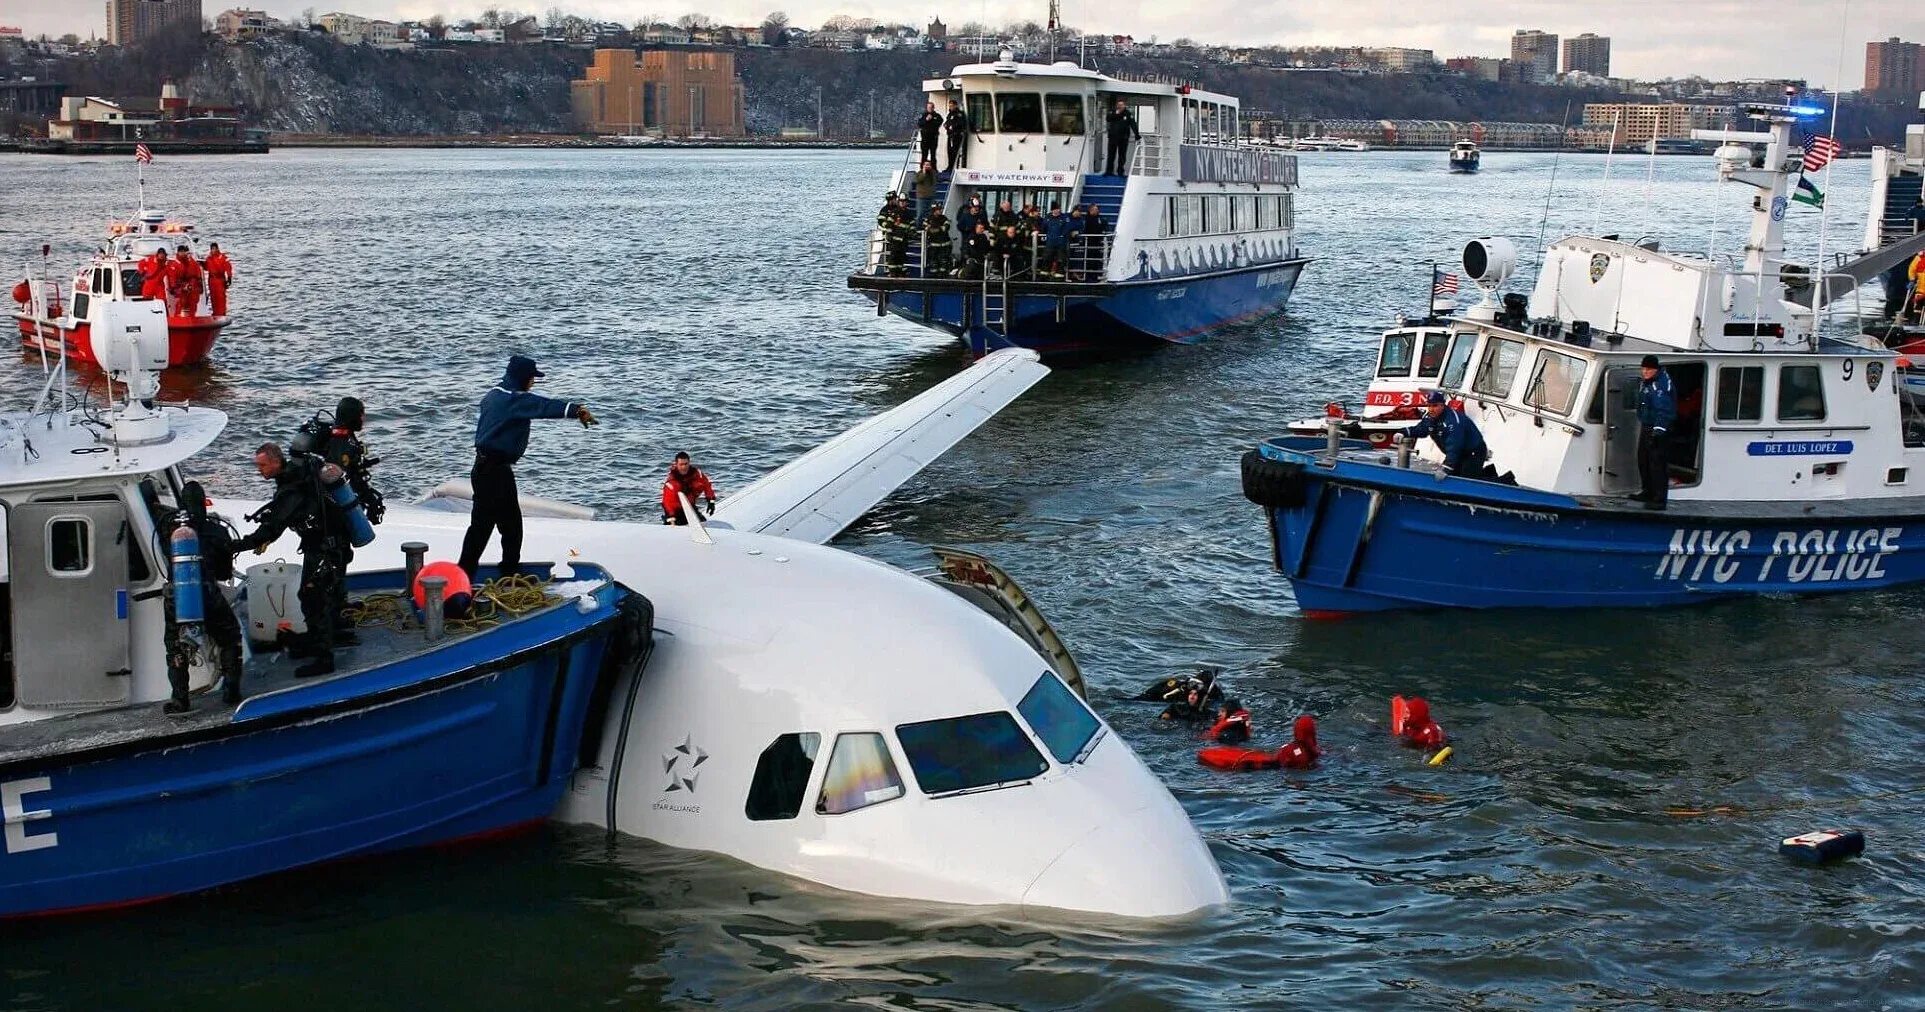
(184, 550)
(311, 436)
(334, 482)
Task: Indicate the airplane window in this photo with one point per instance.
(1066, 726)
(860, 774)
(782, 777)
(965, 753)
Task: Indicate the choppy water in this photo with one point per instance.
(696, 300)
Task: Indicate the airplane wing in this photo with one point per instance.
(815, 496)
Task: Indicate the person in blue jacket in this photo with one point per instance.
(1454, 433)
(501, 437)
(1058, 230)
(1657, 410)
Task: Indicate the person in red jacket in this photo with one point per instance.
(1232, 726)
(1417, 729)
(685, 479)
(1302, 752)
(184, 281)
(153, 276)
(220, 274)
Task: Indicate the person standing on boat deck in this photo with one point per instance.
(929, 125)
(184, 277)
(970, 215)
(1917, 215)
(220, 274)
(685, 480)
(1122, 130)
(1657, 410)
(1005, 216)
(1059, 230)
(896, 230)
(978, 247)
(1092, 226)
(501, 437)
(301, 505)
(343, 449)
(222, 629)
(938, 245)
(956, 127)
(1454, 433)
(925, 189)
(153, 277)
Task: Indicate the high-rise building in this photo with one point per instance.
(1535, 54)
(1588, 53)
(130, 21)
(1892, 65)
(670, 92)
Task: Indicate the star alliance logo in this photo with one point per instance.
(681, 776)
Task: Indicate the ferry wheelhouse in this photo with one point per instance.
(48, 320)
(1200, 230)
(1794, 464)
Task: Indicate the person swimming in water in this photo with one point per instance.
(1232, 726)
(1302, 752)
(1416, 729)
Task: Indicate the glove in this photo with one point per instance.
(587, 419)
(1657, 430)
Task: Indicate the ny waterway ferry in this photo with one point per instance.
(1794, 463)
(1200, 230)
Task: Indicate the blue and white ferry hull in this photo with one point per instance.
(474, 738)
(1069, 319)
(1362, 535)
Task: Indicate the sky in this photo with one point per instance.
(1718, 39)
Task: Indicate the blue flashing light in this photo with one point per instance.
(1807, 110)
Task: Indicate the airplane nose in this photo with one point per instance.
(1144, 864)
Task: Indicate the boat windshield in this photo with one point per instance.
(1019, 113)
(1398, 351)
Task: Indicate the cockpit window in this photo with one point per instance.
(860, 774)
(781, 777)
(1019, 112)
(967, 753)
(1066, 726)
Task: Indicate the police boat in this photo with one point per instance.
(1198, 233)
(853, 724)
(427, 732)
(1790, 460)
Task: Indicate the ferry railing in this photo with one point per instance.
(1148, 157)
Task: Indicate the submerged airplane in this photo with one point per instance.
(824, 715)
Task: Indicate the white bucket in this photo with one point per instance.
(273, 601)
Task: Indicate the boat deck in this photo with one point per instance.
(263, 673)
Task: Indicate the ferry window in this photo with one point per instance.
(1065, 114)
(860, 774)
(781, 777)
(1458, 362)
(1741, 393)
(964, 753)
(1020, 113)
(1208, 215)
(1554, 388)
(982, 112)
(80, 305)
(70, 546)
(1432, 359)
(1801, 394)
(1065, 725)
(1394, 360)
(1243, 213)
(1498, 368)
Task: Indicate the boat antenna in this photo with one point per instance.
(1544, 222)
(1597, 202)
(1824, 211)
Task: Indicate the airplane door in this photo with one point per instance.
(68, 570)
(1619, 474)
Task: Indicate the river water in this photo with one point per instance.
(696, 300)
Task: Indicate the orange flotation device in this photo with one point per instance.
(1230, 757)
(22, 293)
(1410, 720)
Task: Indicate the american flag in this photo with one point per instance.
(1818, 151)
(142, 154)
(1444, 283)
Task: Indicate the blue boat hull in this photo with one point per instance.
(1371, 537)
(478, 737)
(1114, 317)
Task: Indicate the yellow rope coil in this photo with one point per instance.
(496, 601)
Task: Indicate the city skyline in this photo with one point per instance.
(1651, 39)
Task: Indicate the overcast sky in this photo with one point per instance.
(1722, 39)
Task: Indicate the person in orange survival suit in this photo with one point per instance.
(220, 274)
(1302, 752)
(153, 276)
(1416, 729)
(1233, 724)
(184, 281)
(685, 479)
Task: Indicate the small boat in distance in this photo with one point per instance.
(1464, 157)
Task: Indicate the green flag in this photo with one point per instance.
(1807, 193)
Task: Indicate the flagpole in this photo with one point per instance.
(1824, 213)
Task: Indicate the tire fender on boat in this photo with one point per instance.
(1272, 483)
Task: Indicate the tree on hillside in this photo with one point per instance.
(775, 29)
(839, 23)
(437, 26)
(694, 22)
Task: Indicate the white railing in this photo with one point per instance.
(1151, 156)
